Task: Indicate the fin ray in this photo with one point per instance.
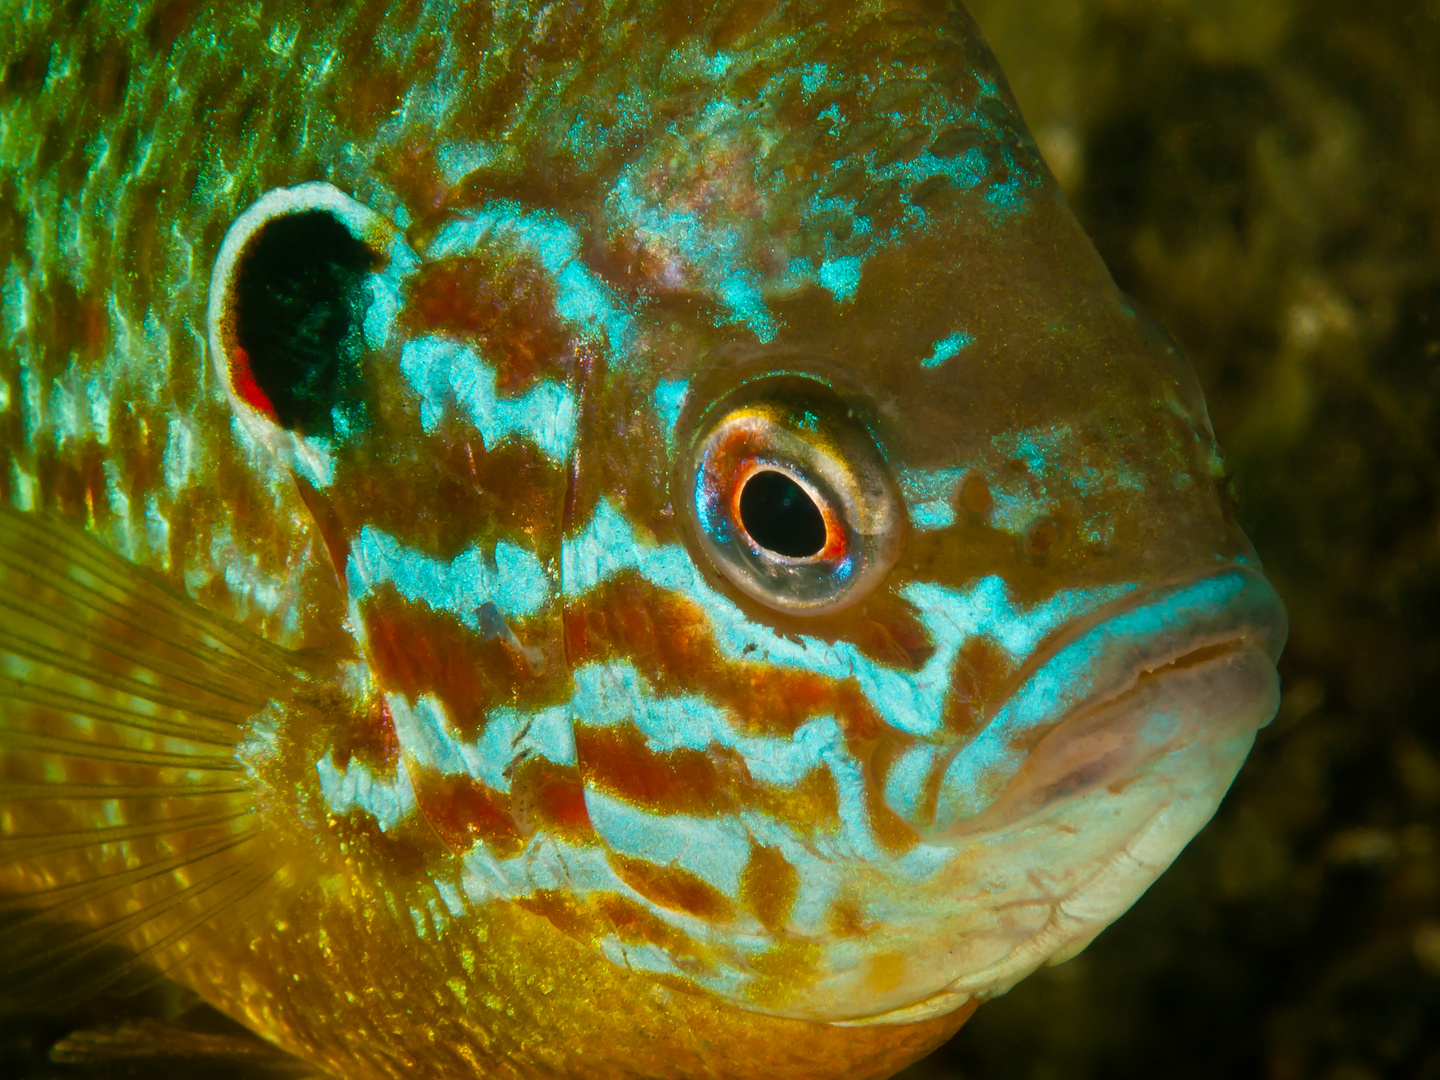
(57, 545)
(65, 665)
(130, 792)
(66, 746)
(120, 714)
(129, 831)
(153, 1042)
(90, 889)
(13, 848)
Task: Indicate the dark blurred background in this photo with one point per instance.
(1264, 176)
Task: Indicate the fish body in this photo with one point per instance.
(584, 539)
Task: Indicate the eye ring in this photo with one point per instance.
(790, 498)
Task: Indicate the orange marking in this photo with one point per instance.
(442, 490)
(619, 761)
(416, 650)
(847, 919)
(711, 782)
(612, 914)
(372, 737)
(980, 679)
(673, 887)
(891, 831)
(812, 804)
(550, 796)
(667, 637)
(510, 308)
(463, 810)
(769, 886)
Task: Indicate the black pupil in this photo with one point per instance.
(299, 306)
(780, 516)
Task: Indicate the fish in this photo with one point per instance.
(592, 539)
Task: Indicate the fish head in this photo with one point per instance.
(786, 560)
(910, 624)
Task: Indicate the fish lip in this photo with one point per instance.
(1255, 597)
(1230, 615)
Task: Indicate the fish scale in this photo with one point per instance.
(403, 369)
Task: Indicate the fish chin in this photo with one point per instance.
(1102, 806)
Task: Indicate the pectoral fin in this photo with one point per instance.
(128, 825)
(220, 1048)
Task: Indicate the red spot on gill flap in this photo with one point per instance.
(243, 380)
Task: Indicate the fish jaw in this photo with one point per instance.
(1039, 919)
(1108, 796)
(1206, 697)
(1138, 677)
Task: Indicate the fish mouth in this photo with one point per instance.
(1165, 674)
(1122, 737)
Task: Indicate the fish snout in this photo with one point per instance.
(1165, 692)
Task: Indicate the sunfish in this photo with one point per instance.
(606, 540)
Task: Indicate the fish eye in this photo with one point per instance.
(288, 299)
(790, 498)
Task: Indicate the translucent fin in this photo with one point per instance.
(128, 834)
(176, 1049)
